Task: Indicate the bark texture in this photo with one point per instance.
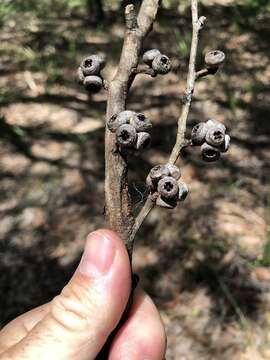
(118, 204)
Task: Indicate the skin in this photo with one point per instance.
(77, 322)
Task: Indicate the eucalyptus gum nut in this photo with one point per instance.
(161, 64)
(198, 133)
(114, 122)
(93, 84)
(157, 172)
(174, 171)
(102, 60)
(149, 182)
(92, 65)
(126, 116)
(226, 145)
(140, 122)
(183, 191)
(168, 187)
(126, 136)
(80, 75)
(215, 123)
(149, 56)
(215, 58)
(143, 140)
(166, 203)
(210, 153)
(215, 136)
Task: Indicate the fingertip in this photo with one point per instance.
(104, 251)
(105, 232)
(89, 307)
(121, 264)
(143, 335)
(113, 238)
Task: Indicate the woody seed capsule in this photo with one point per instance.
(149, 182)
(80, 75)
(166, 203)
(198, 133)
(183, 191)
(214, 59)
(226, 145)
(215, 123)
(157, 172)
(140, 122)
(143, 140)
(174, 171)
(124, 117)
(168, 187)
(149, 56)
(161, 64)
(209, 153)
(215, 136)
(126, 136)
(92, 65)
(93, 84)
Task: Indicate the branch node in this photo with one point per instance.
(187, 97)
(182, 121)
(131, 18)
(144, 70)
(187, 143)
(204, 72)
(201, 21)
(105, 85)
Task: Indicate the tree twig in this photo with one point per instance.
(118, 205)
(204, 72)
(145, 211)
(144, 69)
(130, 16)
(197, 24)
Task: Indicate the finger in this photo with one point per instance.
(143, 335)
(81, 318)
(17, 329)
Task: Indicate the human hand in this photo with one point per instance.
(76, 324)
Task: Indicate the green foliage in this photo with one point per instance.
(266, 254)
(248, 12)
(257, 5)
(265, 259)
(170, 3)
(39, 9)
(266, 251)
(183, 41)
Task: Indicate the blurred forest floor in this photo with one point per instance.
(206, 264)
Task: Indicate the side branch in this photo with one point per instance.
(130, 16)
(146, 209)
(144, 69)
(197, 25)
(205, 72)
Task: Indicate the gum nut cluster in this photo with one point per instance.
(160, 63)
(165, 179)
(131, 129)
(212, 138)
(89, 73)
(214, 59)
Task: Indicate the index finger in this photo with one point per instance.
(143, 335)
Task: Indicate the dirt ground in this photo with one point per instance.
(206, 263)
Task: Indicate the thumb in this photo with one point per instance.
(90, 306)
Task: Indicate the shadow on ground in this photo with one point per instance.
(200, 261)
